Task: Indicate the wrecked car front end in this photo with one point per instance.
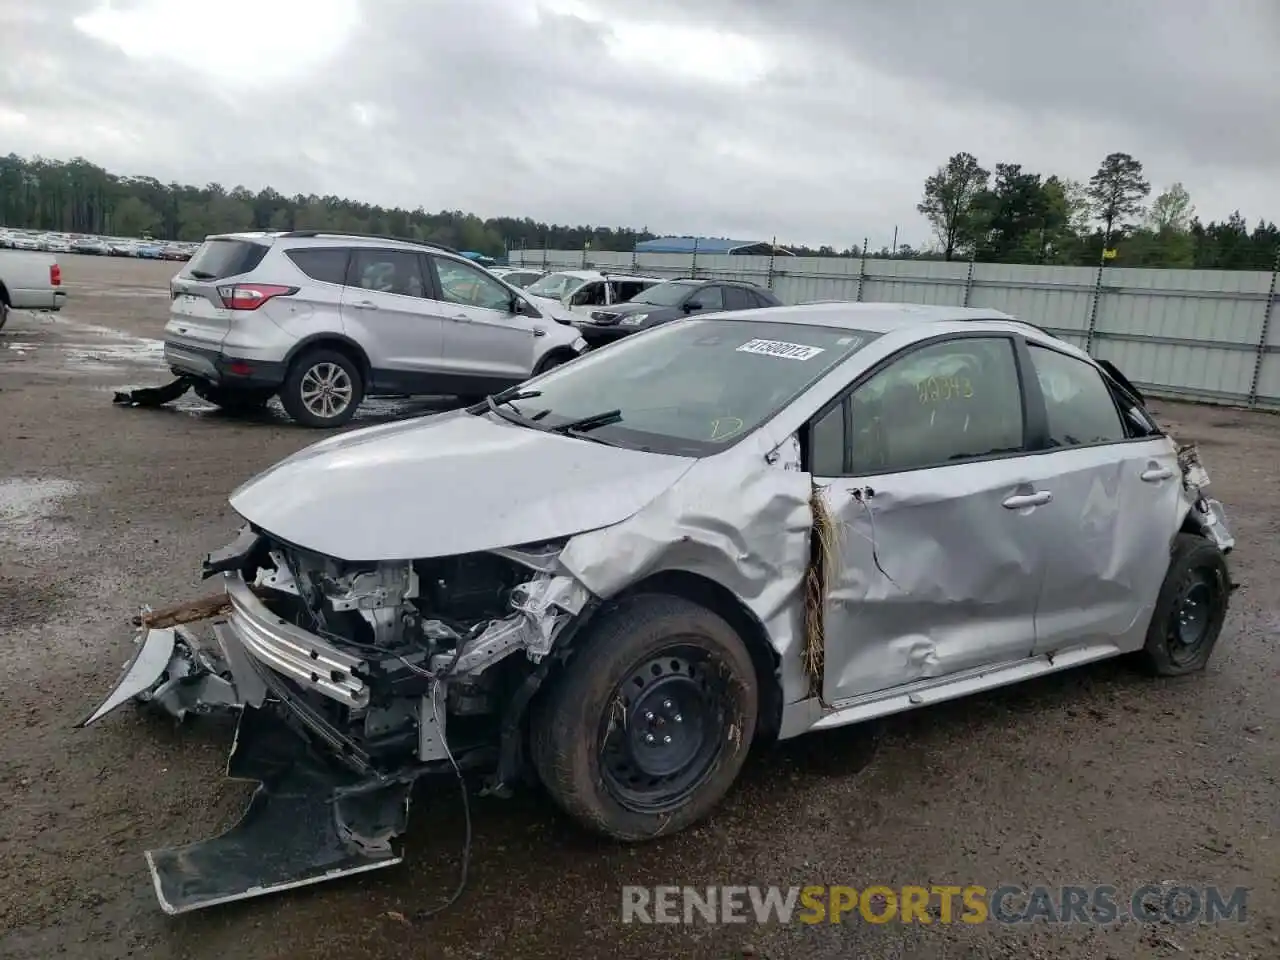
(346, 676)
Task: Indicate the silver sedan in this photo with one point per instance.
(618, 576)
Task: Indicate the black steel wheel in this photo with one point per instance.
(649, 724)
(1190, 609)
(670, 732)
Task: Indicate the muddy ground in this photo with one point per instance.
(1100, 775)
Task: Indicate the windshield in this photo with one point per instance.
(557, 286)
(664, 294)
(693, 387)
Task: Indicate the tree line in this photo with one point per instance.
(1015, 216)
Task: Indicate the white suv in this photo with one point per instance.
(327, 319)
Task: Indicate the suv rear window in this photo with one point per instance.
(217, 259)
(326, 264)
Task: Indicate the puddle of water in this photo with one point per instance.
(134, 350)
(25, 508)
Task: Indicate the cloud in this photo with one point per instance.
(815, 121)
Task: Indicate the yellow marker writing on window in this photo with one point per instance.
(944, 389)
(725, 427)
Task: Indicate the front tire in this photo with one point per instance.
(649, 724)
(1190, 609)
(4, 313)
(551, 361)
(323, 389)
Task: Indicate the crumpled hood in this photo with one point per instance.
(449, 484)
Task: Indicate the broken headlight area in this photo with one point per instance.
(352, 681)
(363, 646)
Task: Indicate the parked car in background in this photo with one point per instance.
(584, 290)
(29, 281)
(518, 276)
(620, 576)
(123, 248)
(667, 301)
(25, 242)
(175, 251)
(327, 319)
(150, 251)
(92, 246)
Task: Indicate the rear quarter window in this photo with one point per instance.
(221, 258)
(326, 264)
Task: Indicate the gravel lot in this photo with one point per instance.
(1100, 775)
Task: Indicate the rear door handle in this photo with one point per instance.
(1020, 500)
(365, 305)
(462, 318)
(1156, 474)
(539, 331)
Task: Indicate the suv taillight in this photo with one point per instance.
(250, 296)
(55, 276)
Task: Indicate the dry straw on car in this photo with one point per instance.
(824, 554)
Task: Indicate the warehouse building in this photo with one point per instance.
(712, 246)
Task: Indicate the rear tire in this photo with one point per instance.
(1190, 608)
(648, 726)
(4, 313)
(231, 399)
(323, 389)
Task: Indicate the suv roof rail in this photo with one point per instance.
(301, 234)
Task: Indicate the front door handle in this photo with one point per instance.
(462, 318)
(1156, 474)
(539, 331)
(365, 305)
(1020, 500)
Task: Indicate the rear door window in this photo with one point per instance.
(1078, 402)
(221, 258)
(735, 298)
(387, 271)
(326, 264)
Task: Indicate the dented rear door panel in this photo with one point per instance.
(1115, 510)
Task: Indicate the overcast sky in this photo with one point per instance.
(812, 120)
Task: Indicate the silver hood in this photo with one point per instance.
(449, 484)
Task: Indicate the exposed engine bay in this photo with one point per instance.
(401, 649)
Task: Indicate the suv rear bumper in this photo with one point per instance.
(216, 367)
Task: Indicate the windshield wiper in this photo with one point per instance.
(583, 424)
(493, 402)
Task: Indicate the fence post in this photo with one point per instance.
(968, 281)
(1268, 313)
(586, 245)
(862, 269)
(1093, 311)
(544, 253)
(635, 261)
(693, 264)
(773, 252)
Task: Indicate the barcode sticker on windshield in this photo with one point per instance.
(780, 348)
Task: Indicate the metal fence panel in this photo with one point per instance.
(916, 281)
(1059, 299)
(1211, 335)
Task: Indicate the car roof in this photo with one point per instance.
(871, 317)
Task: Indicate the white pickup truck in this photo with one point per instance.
(29, 281)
